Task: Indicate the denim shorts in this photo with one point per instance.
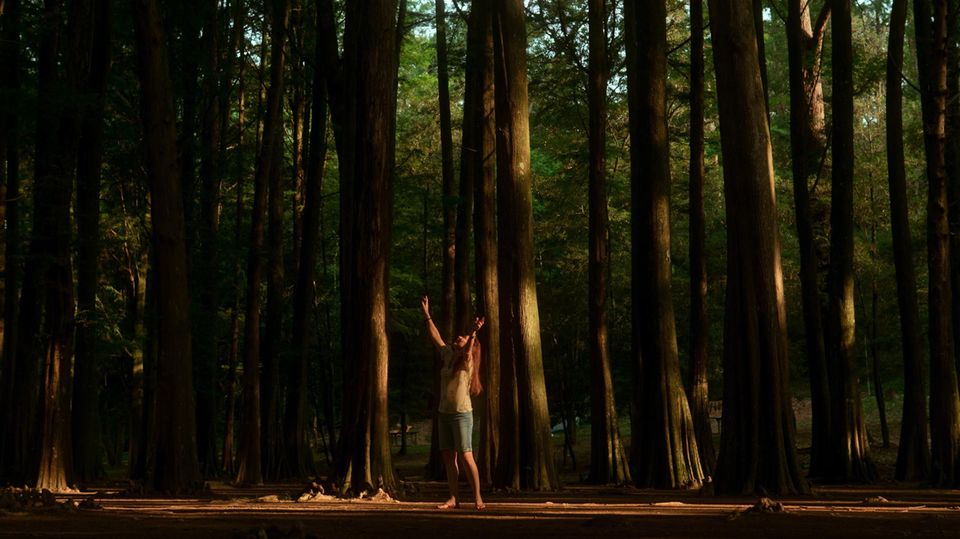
(455, 431)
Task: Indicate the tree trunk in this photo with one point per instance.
(608, 462)
(174, 467)
(478, 154)
(228, 453)
(207, 327)
(952, 162)
(944, 399)
(10, 162)
(805, 141)
(698, 389)
(299, 457)
(850, 459)
(273, 326)
(52, 230)
(448, 292)
(913, 454)
(86, 425)
(364, 460)
(668, 456)
(250, 428)
(526, 448)
(757, 451)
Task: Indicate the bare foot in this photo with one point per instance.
(480, 505)
(452, 503)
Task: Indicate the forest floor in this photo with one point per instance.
(882, 509)
(893, 510)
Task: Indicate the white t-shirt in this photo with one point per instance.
(454, 385)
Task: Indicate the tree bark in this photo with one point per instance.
(757, 451)
(449, 188)
(913, 454)
(250, 471)
(668, 456)
(608, 462)
(364, 460)
(526, 448)
(697, 387)
(174, 467)
(805, 141)
(478, 160)
(944, 400)
(52, 230)
(299, 458)
(10, 163)
(850, 459)
(87, 453)
(207, 327)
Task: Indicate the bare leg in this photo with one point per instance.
(453, 476)
(474, 476)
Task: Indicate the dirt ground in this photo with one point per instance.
(576, 511)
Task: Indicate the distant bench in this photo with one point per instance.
(412, 433)
(716, 413)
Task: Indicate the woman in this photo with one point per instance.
(459, 379)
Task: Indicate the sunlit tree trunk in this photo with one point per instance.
(608, 462)
(526, 448)
(805, 140)
(697, 387)
(174, 466)
(757, 447)
(52, 232)
(850, 450)
(479, 161)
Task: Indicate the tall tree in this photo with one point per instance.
(250, 471)
(913, 454)
(697, 386)
(298, 454)
(10, 165)
(667, 456)
(273, 326)
(52, 231)
(449, 188)
(608, 462)
(86, 425)
(174, 466)
(806, 133)
(478, 161)
(366, 161)
(952, 160)
(449, 264)
(757, 447)
(207, 329)
(526, 449)
(850, 457)
(944, 395)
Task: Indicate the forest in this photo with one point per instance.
(716, 247)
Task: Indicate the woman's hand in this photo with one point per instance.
(425, 305)
(478, 323)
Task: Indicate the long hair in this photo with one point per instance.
(472, 350)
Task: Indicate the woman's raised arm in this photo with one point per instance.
(431, 327)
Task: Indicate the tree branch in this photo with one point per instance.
(820, 27)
